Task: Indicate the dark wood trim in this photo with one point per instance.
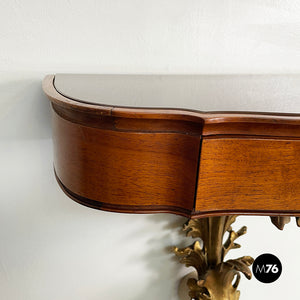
(110, 122)
(121, 208)
(140, 209)
(243, 212)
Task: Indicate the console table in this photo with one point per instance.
(121, 145)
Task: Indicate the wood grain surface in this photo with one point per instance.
(126, 168)
(191, 163)
(249, 174)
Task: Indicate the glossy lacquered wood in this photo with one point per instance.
(127, 170)
(250, 173)
(192, 163)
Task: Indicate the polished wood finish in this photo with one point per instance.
(249, 174)
(192, 163)
(127, 168)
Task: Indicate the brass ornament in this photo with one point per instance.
(279, 222)
(216, 279)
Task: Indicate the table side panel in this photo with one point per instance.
(124, 170)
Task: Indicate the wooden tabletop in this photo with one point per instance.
(259, 93)
(141, 144)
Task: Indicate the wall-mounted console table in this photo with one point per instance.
(121, 145)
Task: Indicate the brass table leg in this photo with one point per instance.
(217, 279)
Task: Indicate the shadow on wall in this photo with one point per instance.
(24, 110)
(166, 271)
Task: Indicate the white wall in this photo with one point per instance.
(52, 248)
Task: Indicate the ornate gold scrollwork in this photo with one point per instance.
(217, 279)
